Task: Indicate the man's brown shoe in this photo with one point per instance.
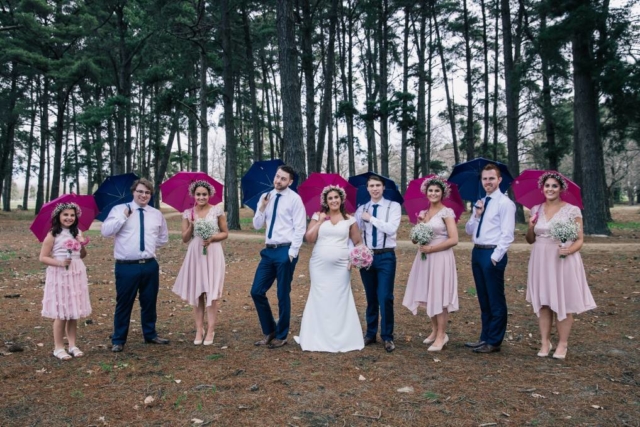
(389, 346)
(487, 348)
(369, 340)
(266, 339)
(277, 343)
(474, 344)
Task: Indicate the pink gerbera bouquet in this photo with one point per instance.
(361, 257)
(71, 245)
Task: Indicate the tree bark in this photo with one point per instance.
(44, 141)
(470, 134)
(306, 42)
(485, 78)
(256, 133)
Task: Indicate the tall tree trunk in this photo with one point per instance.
(384, 89)
(306, 42)
(347, 82)
(265, 90)
(496, 86)
(470, 134)
(204, 124)
(30, 144)
(8, 142)
(166, 154)
(429, 98)
(547, 107)
(485, 78)
(62, 96)
(256, 133)
(405, 90)
(44, 140)
(420, 40)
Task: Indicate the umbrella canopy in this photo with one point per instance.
(175, 190)
(311, 189)
(391, 191)
(415, 201)
(527, 193)
(42, 223)
(259, 180)
(467, 176)
(116, 189)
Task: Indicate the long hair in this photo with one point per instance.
(325, 205)
(56, 224)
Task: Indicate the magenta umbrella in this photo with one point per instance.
(527, 193)
(42, 223)
(311, 189)
(175, 190)
(415, 201)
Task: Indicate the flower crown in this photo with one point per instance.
(444, 186)
(325, 191)
(201, 183)
(555, 175)
(69, 205)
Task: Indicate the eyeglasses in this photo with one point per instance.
(147, 192)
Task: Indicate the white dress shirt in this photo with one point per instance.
(291, 220)
(385, 224)
(498, 224)
(127, 231)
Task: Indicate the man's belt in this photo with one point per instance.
(476, 246)
(279, 245)
(382, 251)
(134, 261)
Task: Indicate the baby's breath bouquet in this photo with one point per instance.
(204, 229)
(564, 231)
(422, 234)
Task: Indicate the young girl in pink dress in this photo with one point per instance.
(66, 291)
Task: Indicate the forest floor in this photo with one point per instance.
(235, 383)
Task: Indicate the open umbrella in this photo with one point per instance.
(175, 190)
(391, 191)
(259, 180)
(467, 176)
(527, 193)
(115, 190)
(415, 201)
(42, 223)
(311, 189)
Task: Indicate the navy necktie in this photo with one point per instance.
(273, 216)
(486, 203)
(141, 229)
(374, 230)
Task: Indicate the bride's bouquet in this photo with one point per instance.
(361, 257)
(564, 231)
(422, 234)
(204, 229)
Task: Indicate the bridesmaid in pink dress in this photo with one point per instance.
(201, 277)
(433, 283)
(555, 285)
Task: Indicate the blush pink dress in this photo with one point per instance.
(66, 291)
(433, 282)
(559, 283)
(201, 274)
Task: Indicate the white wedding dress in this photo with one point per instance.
(330, 320)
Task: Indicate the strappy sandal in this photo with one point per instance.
(61, 354)
(76, 352)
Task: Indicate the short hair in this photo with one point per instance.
(492, 167)
(288, 169)
(144, 182)
(375, 178)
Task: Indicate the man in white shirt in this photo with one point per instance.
(282, 212)
(138, 230)
(379, 221)
(491, 225)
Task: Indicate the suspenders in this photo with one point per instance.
(384, 241)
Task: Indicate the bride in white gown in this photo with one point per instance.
(330, 320)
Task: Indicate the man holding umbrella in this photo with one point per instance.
(491, 226)
(282, 211)
(139, 230)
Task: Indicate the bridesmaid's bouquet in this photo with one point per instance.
(564, 231)
(204, 229)
(71, 245)
(422, 234)
(361, 257)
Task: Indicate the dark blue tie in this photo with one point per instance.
(141, 229)
(374, 230)
(273, 216)
(486, 203)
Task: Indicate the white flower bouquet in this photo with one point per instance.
(422, 234)
(204, 229)
(564, 231)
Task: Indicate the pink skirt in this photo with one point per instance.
(201, 274)
(66, 292)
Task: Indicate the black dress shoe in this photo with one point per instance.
(157, 340)
(117, 348)
(277, 343)
(487, 348)
(389, 346)
(369, 340)
(265, 340)
(474, 344)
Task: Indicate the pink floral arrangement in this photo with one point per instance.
(361, 257)
(71, 245)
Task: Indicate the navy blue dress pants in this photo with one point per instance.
(378, 283)
(489, 280)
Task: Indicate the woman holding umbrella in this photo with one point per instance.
(201, 277)
(433, 282)
(556, 282)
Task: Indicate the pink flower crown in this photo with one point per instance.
(444, 186)
(69, 205)
(555, 175)
(201, 183)
(327, 189)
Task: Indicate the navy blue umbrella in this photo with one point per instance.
(115, 190)
(391, 191)
(467, 176)
(259, 180)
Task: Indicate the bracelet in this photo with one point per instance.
(86, 241)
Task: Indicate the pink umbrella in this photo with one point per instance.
(42, 223)
(311, 189)
(415, 201)
(175, 190)
(527, 193)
